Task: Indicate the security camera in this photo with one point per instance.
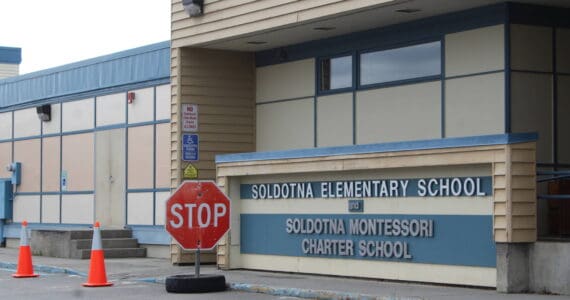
(193, 8)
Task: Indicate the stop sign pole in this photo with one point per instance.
(197, 216)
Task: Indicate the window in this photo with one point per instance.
(400, 64)
(336, 73)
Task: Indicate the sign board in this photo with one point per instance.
(189, 147)
(190, 172)
(197, 215)
(189, 117)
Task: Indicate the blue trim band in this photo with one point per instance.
(149, 190)
(152, 62)
(77, 192)
(151, 234)
(10, 55)
(88, 94)
(485, 140)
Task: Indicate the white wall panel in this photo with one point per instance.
(139, 209)
(26, 123)
(142, 108)
(111, 109)
(77, 209)
(5, 125)
(27, 208)
(53, 126)
(285, 81)
(334, 120)
(160, 207)
(163, 102)
(475, 51)
(400, 113)
(285, 125)
(9, 70)
(78, 115)
(531, 48)
(50, 209)
(475, 105)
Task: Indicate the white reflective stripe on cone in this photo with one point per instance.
(24, 236)
(96, 245)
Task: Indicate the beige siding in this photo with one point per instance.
(222, 84)
(142, 108)
(53, 126)
(9, 70)
(50, 208)
(285, 81)
(111, 109)
(475, 105)
(514, 190)
(5, 125)
(140, 157)
(78, 161)
(334, 120)
(50, 160)
(475, 51)
(5, 159)
(28, 153)
(531, 109)
(402, 113)
(230, 18)
(285, 125)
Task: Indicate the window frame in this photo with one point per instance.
(413, 80)
(319, 73)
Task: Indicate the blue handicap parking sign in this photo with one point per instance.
(189, 147)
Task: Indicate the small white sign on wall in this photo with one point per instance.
(189, 117)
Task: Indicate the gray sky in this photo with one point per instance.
(56, 32)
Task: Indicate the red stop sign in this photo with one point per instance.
(197, 215)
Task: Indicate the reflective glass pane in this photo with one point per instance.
(336, 73)
(399, 64)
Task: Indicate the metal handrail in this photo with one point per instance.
(555, 176)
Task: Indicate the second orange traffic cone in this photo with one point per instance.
(97, 274)
(25, 266)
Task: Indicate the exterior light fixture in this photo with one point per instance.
(44, 112)
(324, 28)
(193, 8)
(408, 10)
(257, 42)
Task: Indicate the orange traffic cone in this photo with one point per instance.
(25, 266)
(97, 274)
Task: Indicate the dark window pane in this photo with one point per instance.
(336, 73)
(399, 64)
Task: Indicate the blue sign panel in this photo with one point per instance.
(189, 147)
(371, 188)
(435, 239)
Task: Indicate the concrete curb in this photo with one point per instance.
(44, 269)
(243, 287)
(308, 293)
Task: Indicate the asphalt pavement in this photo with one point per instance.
(155, 270)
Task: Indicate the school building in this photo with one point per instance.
(422, 141)
(402, 140)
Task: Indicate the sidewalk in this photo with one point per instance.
(278, 284)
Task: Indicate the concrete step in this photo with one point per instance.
(107, 243)
(105, 234)
(114, 253)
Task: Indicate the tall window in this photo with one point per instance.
(405, 63)
(336, 73)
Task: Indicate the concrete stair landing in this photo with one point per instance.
(76, 243)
